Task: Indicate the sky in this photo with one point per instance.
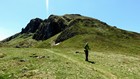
(16, 14)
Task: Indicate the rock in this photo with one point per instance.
(17, 46)
(34, 56)
(30, 73)
(40, 57)
(50, 27)
(77, 52)
(2, 55)
(24, 69)
(22, 60)
(32, 26)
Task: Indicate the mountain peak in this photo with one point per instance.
(71, 25)
(32, 26)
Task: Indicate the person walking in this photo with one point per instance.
(86, 48)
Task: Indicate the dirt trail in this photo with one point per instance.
(105, 74)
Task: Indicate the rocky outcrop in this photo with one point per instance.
(56, 24)
(32, 26)
(44, 29)
(68, 26)
(50, 27)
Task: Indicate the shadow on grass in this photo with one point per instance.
(92, 62)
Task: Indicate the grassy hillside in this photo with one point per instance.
(73, 31)
(47, 49)
(34, 63)
(102, 38)
(21, 41)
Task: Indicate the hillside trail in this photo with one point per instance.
(105, 74)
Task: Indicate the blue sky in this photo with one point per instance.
(15, 14)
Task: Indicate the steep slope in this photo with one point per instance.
(50, 27)
(100, 36)
(73, 30)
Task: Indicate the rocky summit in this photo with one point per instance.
(71, 28)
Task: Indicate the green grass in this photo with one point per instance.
(115, 53)
(80, 29)
(22, 41)
(66, 64)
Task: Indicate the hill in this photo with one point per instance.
(72, 31)
(53, 49)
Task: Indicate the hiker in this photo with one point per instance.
(86, 48)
